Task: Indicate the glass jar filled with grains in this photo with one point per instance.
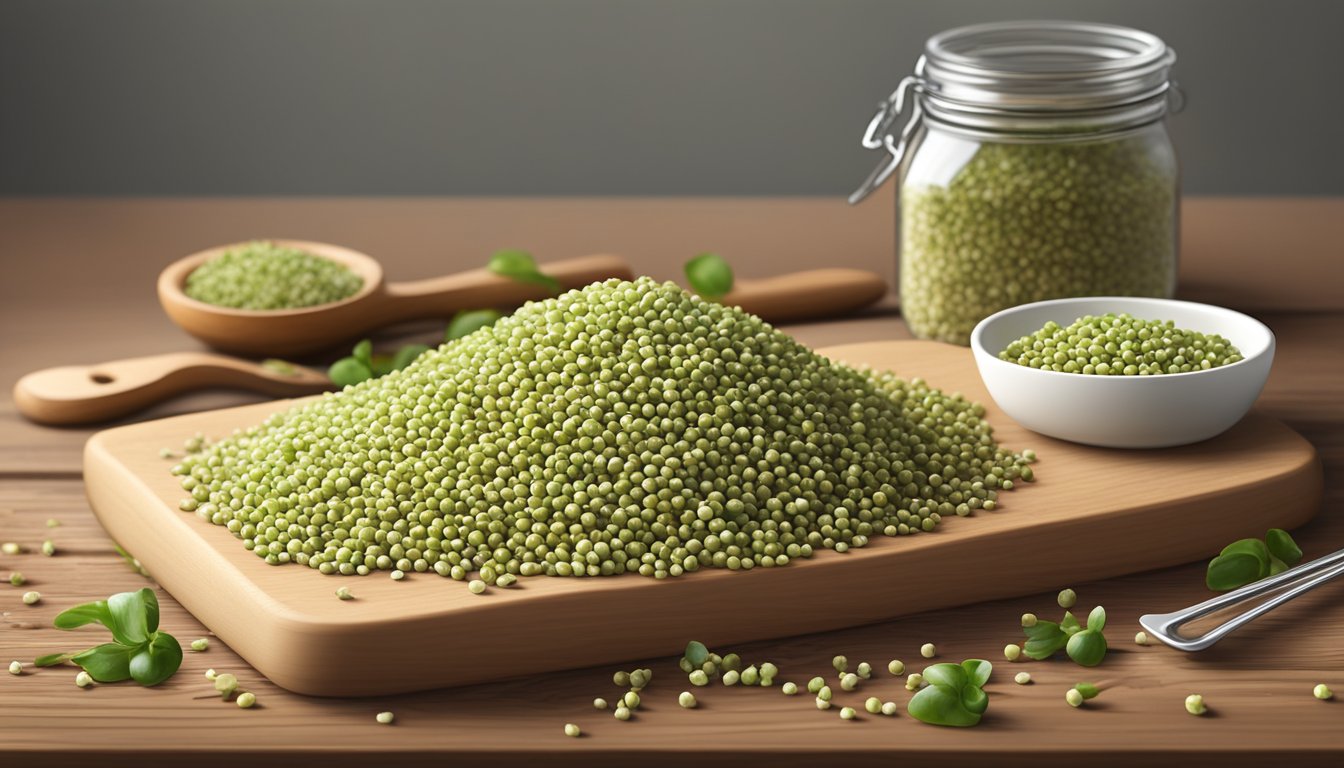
(1035, 164)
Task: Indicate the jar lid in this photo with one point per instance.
(1045, 66)
(1001, 78)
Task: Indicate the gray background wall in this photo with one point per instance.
(680, 97)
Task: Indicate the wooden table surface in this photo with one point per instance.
(80, 289)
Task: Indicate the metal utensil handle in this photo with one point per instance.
(1295, 581)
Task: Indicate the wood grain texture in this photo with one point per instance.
(1257, 683)
(1091, 513)
(102, 392)
(98, 259)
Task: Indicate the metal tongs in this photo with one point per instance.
(1292, 582)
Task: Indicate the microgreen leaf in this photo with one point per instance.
(135, 615)
(1282, 546)
(977, 671)
(138, 650)
(363, 352)
(88, 613)
(1088, 690)
(106, 663)
(155, 661)
(709, 275)
(469, 321)
(349, 371)
(519, 265)
(1233, 570)
(953, 695)
(1276, 566)
(946, 674)
(696, 653)
(974, 699)
(407, 355)
(1044, 639)
(1070, 623)
(1087, 647)
(1096, 620)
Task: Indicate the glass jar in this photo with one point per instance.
(1035, 165)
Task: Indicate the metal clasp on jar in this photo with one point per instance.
(879, 134)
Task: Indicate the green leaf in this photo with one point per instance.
(52, 659)
(977, 671)
(156, 660)
(469, 321)
(88, 613)
(1044, 639)
(696, 653)
(1253, 547)
(132, 614)
(709, 275)
(1096, 620)
(382, 365)
(946, 674)
(942, 705)
(1234, 570)
(106, 663)
(1282, 546)
(1088, 690)
(349, 371)
(1070, 623)
(1276, 566)
(1087, 648)
(519, 265)
(363, 352)
(407, 355)
(974, 699)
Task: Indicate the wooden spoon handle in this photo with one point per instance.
(807, 295)
(81, 394)
(481, 289)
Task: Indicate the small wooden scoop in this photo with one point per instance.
(287, 332)
(810, 295)
(80, 394)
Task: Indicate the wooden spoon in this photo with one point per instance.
(82, 394)
(86, 394)
(287, 332)
(809, 295)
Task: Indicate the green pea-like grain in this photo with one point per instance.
(627, 427)
(1019, 222)
(1119, 345)
(263, 275)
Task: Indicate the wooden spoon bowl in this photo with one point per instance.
(282, 332)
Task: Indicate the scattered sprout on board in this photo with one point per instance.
(1249, 560)
(626, 426)
(1194, 704)
(1120, 345)
(264, 275)
(953, 695)
(1086, 645)
(139, 650)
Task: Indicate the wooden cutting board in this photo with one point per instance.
(1093, 513)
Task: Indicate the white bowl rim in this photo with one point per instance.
(978, 345)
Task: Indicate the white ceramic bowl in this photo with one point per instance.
(1125, 411)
